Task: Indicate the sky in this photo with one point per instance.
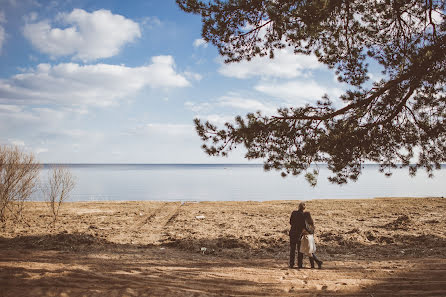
(121, 82)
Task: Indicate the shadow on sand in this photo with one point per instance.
(83, 265)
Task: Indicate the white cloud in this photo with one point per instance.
(286, 64)
(200, 42)
(375, 76)
(11, 115)
(10, 108)
(297, 92)
(235, 101)
(30, 123)
(197, 107)
(89, 36)
(151, 22)
(48, 113)
(218, 119)
(225, 108)
(100, 84)
(194, 76)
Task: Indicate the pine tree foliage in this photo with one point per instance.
(393, 121)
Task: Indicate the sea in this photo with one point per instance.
(235, 182)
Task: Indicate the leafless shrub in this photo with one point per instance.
(19, 173)
(60, 184)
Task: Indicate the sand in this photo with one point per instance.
(373, 247)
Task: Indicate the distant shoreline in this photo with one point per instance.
(186, 164)
(248, 201)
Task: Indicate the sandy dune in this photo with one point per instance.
(376, 247)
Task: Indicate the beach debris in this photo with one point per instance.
(200, 217)
(203, 250)
(141, 214)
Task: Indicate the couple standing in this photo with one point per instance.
(301, 236)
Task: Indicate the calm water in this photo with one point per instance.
(237, 182)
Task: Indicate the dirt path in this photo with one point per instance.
(152, 227)
(375, 247)
(150, 223)
(126, 271)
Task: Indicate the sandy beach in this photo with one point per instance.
(370, 247)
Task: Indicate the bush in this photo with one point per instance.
(19, 173)
(57, 190)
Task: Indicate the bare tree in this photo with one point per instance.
(19, 172)
(60, 184)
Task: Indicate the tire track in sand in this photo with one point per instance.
(152, 226)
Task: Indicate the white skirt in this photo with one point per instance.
(307, 245)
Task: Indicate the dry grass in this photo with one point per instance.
(366, 245)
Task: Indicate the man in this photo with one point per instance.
(297, 222)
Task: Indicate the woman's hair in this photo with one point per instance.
(302, 206)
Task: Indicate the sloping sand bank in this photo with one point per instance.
(376, 247)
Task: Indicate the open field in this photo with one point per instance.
(374, 247)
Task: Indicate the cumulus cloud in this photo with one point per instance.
(99, 84)
(11, 115)
(192, 75)
(23, 121)
(10, 108)
(151, 22)
(200, 42)
(224, 109)
(217, 119)
(235, 101)
(232, 100)
(89, 36)
(286, 64)
(198, 107)
(297, 92)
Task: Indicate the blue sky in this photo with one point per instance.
(122, 81)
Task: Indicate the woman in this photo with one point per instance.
(307, 245)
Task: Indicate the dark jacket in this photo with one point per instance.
(297, 222)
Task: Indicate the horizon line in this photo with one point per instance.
(66, 163)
